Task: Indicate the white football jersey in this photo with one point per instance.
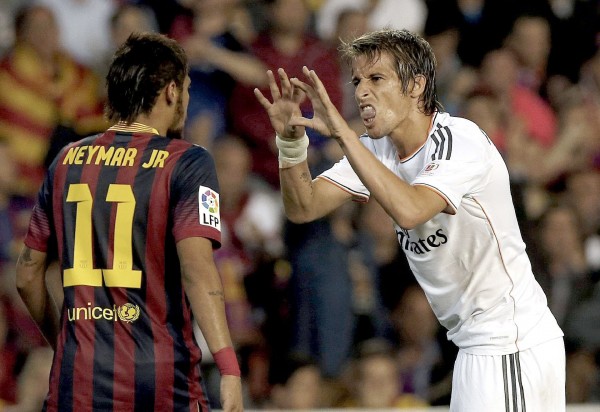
(472, 265)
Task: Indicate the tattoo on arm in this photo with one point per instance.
(305, 177)
(25, 258)
(217, 293)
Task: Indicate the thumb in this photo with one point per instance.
(301, 121)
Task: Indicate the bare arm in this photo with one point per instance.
(243, 67)
(408, 205)
(304, 199)
(204, 289)
(31, 285)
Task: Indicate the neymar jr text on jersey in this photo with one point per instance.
(112, 156)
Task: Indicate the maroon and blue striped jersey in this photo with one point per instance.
(111, 210)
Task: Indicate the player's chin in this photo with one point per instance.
(373, 131)
(375, 134)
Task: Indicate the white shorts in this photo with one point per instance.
(529, 381)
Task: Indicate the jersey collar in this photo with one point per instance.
(133, 128)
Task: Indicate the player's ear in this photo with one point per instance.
(418, 85)
(171, 93)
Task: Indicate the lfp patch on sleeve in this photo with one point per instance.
(209, 207)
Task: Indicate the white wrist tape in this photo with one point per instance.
(291, 151)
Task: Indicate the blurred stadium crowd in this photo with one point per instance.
(325, 314)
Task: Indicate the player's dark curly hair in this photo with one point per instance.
(140, 69)
(412, 54)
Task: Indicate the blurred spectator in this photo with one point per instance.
(236, 15)
(252, 247)
(393, 271)
(8, 177)
(583, 332)
(583, 194)
(288, 44)
(126, 19)
(130, 18)
(398, 14)
(9, 358)
(351, 23)
(84, 27)
(422, 360)
(44, 94)
(8, 9)
(589, 81)
(533, 166)
(537, 145)
(499, 76)
(218, 60)
(32, 386)
(582, 327)
(375, 381)
(251, 223)
(574, 28)
(583, 375)
(336, 299)
(482, 24)
(530, 41)
(166, 11)
(484, 109)
(563, 273)
(251, 210)
(296, 384)
(321, 295)
(454, 80)
(589, 87)
(370, 318)
(578, 141)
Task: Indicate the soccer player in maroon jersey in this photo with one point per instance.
(132, 217)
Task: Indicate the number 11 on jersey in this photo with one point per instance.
(83, 272)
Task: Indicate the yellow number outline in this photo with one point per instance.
(122, 274)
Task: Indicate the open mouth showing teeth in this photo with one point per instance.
(367, 113)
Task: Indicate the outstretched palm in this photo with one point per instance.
(285, 106)
(326, 118)
(284, 111)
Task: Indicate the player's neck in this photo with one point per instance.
(411, 135)
(155, 122)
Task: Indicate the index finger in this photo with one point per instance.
(317, 84)
(304, 88)
(262, 99)
(273, 86)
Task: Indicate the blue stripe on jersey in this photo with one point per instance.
(143, 335)
(104, 357)
(67, 366)
(104, 343)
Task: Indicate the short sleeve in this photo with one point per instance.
(461, 175)
(343, 176)
(195, 197)
(39, 232)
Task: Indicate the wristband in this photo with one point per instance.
(291, 151)
(227, 362)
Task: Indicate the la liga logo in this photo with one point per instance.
(209, 201)
(209, 207)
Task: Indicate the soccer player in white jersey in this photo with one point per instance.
(447, 189)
